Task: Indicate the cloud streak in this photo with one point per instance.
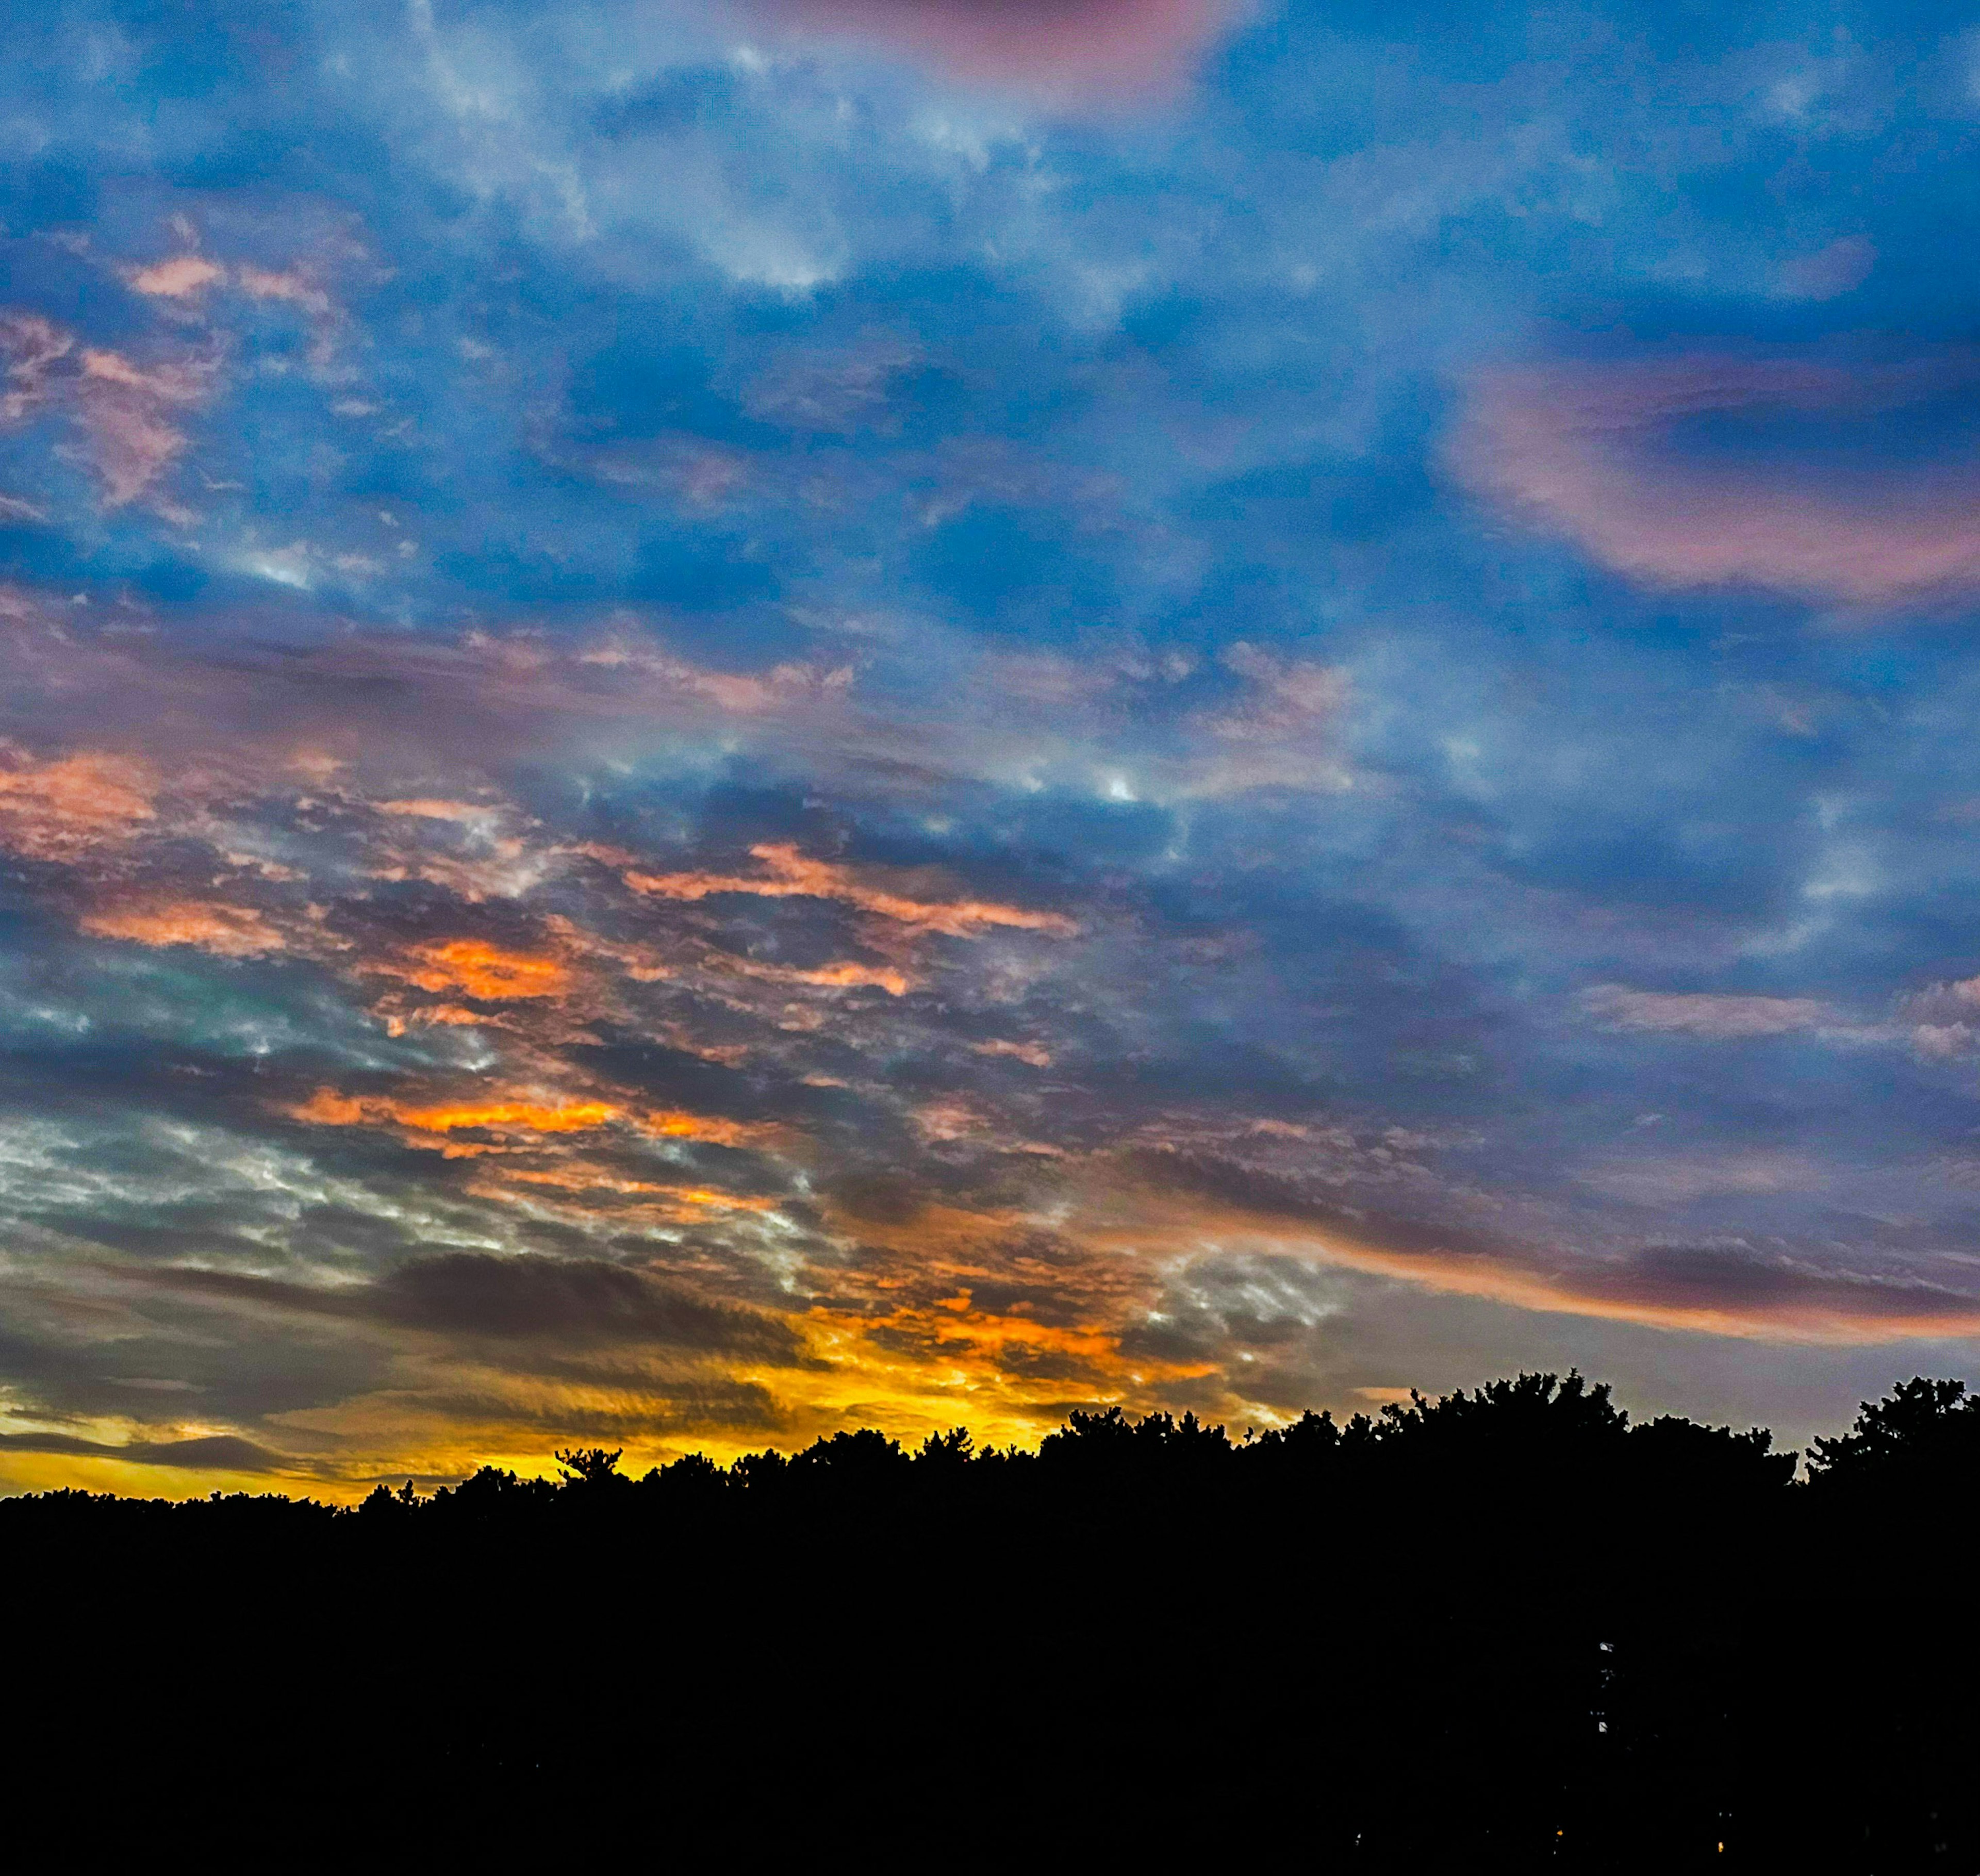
(1715, 1016)
(1082, 51)
(1730, 1290)
(1596, 454)
(789, 874)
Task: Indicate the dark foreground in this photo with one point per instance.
(1502, 1631)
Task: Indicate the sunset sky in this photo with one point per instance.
(719, 721)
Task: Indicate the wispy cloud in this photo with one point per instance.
(787, 873)
(1714, 1015)
(1598, 454)
(1102, 49)
(130, 413)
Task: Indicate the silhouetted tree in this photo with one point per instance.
(1498, 1631)
(1920, 1427)
(589, 1466)
(948, 1453)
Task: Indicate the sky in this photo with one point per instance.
(718, 722)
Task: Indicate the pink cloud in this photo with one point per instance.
(1732, 1290)
(126, 412)
(1586, 452)
(1715, 1016)
(294, 286)
(180, 277)
(31, 347)
(65, 809)
(1086, 48)
(1282, 733)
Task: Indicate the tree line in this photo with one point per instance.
(1505, 1629)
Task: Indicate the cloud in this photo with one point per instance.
(1679, 1180)
(226, 931)
(1035, 1054)
(128, 414)
(525, 1115)
(1598, 453)
(1779, 1294)
(849, 975)
(1736, 1292)
(835, 393)
(65, 807)
(629, 1017)
(289, 285)
(1068, 49)
(207, 1453)
(1711, 1015)
(500, 1115)
(131, 401)
(179, 277)
(32, 346)
(1284, 733)
(789, 873)
(126, 411)
(1840, 268)
(569, 1301)
(477, 969)
(1954, 1002)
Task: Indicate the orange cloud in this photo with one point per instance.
(673, 1124)
(945, 1327)
(227, 931)
(328, 1108)
(846, 976)
(507, 1116)
(790, 874)
(64, 809)
(951, 1119)
(581, 1179)
(480, 969)
(990, 1310)
(524, 1114)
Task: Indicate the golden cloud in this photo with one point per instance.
(787, 873)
